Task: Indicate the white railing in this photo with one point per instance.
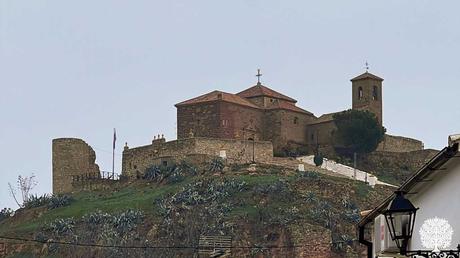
(344, 170)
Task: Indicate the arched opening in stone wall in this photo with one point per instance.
(375, 93)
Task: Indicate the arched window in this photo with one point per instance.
(360, 93)
(375, 93)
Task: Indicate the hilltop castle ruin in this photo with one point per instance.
(252, 125)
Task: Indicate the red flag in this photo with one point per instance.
(114, 137)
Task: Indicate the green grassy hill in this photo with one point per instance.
(272, 211)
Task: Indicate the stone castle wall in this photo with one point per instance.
(196, 150)
(71, 157)
(393, 143)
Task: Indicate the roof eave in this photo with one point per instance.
(214, 101)
(437, 161)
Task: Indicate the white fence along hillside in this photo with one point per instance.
(341, 169)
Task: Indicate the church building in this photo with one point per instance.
(263, 114)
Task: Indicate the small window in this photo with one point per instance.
(165, 163)
(225, 123)
(296, 120)
(312, 137)
(375, 93)
(271, 100)
(360, 93)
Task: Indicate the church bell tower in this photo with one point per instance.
(367, 94)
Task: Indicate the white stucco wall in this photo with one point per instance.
(441, 198)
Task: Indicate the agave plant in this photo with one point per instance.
(57, 201)
(152, 173)
(312, 175)
(5, 213)
(61, 227)
(128, 220)
(311, 197)
(36, 201)
(217, 165)
(98, 218)
(187, 169)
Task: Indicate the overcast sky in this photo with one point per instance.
(81, 68)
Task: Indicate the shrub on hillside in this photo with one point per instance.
(310, 175)
(98, 218)
(170, 174)
(310, 197)
(216, 165)
(37, 201)
(212, 193)
(280, 187)
(152, 173)
(62, 227)
(5, 213)
(57, 201)
(126, 221)
(340, 242)
(51, 201)
(322, 214)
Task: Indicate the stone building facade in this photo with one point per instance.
(263, 114)
(195, 150)
(257, 113)
(71, 157)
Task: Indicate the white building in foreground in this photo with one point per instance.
(435, 191)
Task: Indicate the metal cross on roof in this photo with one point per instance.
(258, 76)
(367, 66)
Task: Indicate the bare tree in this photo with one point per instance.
(25, 185)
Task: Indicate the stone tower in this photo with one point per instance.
(367, 94)
(71, 157)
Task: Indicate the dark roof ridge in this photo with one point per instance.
(366, 75)
(262, 90)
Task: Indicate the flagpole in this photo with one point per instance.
(113, 153)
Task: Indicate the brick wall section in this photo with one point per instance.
(413, 160)
(136, 160)
(71, 157)
(272, 128)
(239, 122)
(293, 127)
(220, 119)
(321, 133)
(393, 143)
(201, 120)
(368, 102)
(286, 129)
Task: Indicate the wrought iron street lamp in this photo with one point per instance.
(400, 219)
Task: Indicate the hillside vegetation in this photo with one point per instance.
(270, 211)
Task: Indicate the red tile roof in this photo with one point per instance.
(367, 75)
(260, 90)
(288, 106)
(218, 95)
(325, 118)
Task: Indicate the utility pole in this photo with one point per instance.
(253, 148)
(354, 164)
